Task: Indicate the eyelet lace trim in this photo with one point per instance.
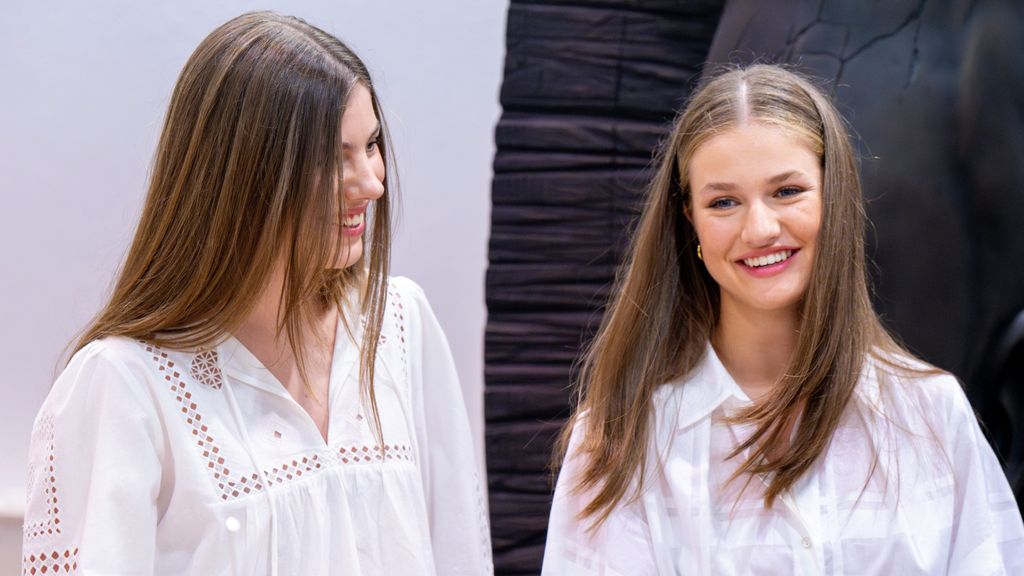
(53, 562)
(394, 312)
(398, 318)
(484, 524)
(206, 370)
(50, 524)
(230, 481)
(365, 453)
(229, 485)
(299, 467)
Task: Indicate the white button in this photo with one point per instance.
(806, 542)
(232, 524)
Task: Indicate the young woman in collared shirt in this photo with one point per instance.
(742, 410)
(259, 396)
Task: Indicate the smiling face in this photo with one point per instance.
(362, 173)
(756, 208)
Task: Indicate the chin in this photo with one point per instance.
(783, 303)
(349, 258)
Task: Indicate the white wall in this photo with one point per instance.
(85, 85)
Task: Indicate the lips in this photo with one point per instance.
(766, 263)
(353, 220)
(768, 260)
(353, 223)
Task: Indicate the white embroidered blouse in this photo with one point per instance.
(938, 502)
(152, 461)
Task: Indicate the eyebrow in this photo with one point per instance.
(729, 186)
(374, 134)
(779, 178)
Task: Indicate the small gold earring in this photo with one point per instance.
(699, 255)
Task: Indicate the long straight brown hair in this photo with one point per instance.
(665, 306)
(247, 173)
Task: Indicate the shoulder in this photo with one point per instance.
(405, 289)
(909, 383)
(113, 354)
(112, 372)
(691, 397)
(666, 401)
(407, 302)
(410, 323)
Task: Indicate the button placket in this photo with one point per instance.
(789, 511)
(792, 513)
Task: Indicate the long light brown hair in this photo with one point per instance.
(247, 173)
(666, 305)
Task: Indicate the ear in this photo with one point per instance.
(686, 208)
(684, 194)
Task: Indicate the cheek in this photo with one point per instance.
(808, 223)
(713, 234)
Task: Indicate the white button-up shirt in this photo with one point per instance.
(936, 503)
(153, 461)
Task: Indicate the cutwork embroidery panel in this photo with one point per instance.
(394, 314)
(228, 479)
(398, 321)
(206, 370)
(483, 520)
(50, 524)
(228, 485)
(55, 562)
(358, 454)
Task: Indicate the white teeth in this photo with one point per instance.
(353, 221)
(769, 259)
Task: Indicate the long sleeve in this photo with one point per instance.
(620, 546)
(988, 534)
(94, 472)
(459, 530)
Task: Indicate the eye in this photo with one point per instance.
(788, 191)
(372, 146)
(722, 203)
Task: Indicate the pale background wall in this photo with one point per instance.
(85, 86)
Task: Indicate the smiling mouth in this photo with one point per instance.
(770, 259)
(353, 221)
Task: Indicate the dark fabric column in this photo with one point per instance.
(590, 87)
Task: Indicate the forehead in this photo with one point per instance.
(359, 119)
(751, 152)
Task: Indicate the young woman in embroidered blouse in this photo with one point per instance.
(258, 396)
(742, 410)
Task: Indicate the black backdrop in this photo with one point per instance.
(935, 92)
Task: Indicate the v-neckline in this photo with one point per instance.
(241, 364)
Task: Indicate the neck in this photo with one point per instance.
(262, 331)
(756, 346)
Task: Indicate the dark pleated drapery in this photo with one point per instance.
(590, 87)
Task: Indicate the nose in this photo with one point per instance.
(760, 226)
(362, 179)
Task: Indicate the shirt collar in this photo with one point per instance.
(242, 365)
(707, 387)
